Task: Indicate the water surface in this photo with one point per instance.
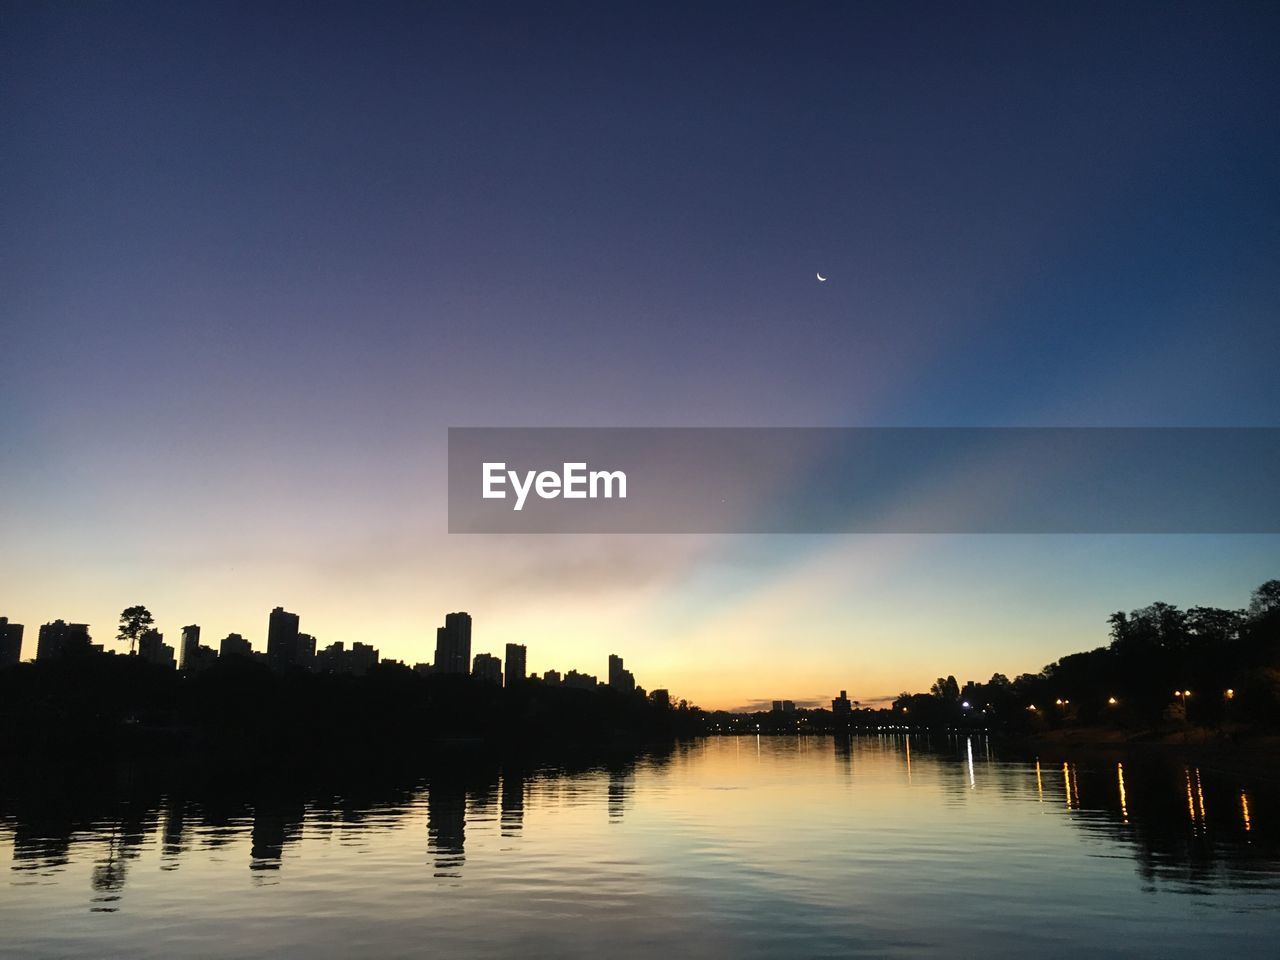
(735, 846)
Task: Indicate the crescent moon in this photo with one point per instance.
(821, 278)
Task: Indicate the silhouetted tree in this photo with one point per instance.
(946, 689)
(1265, 600)
(134, 622)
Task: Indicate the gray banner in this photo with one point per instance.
(864, 480)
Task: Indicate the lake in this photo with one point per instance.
(876, 845)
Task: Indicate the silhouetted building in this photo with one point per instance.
(282, 638)
(515, 663)
(60, 639)
(362, 658)
(336, 658)
(619, 678)
(190, 643)
(580, 681)
(453, 644)
(10, 642)
(487, 667)
(306, 652)
(841, 707)
(552, 678)
(234, 645)
(200, 658)
(784, 706)
(424, 669)
(661, 698)
(332, 658)
(153, 649)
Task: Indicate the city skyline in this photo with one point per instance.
(287, 647)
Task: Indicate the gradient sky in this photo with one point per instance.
(256, 258)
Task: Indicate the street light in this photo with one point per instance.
(1112, 701)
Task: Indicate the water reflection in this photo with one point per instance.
(513, 777)
(790, 807)
(446, 824)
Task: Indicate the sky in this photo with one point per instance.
(256, 259)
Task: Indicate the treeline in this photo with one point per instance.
(237, 706)
(1164, 665)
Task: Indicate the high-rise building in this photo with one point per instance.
(201, 658)
(190, 646)
(153, 649)
(306, 653)
(336, 658)
(619, 678)
(515, 663)
(841, 705)
(487, 667)
(661, 698)
(59, 639)
(453, 644)
(332, 658)
(234, 645)
(10, 642)
(282, 638)
(362, 658)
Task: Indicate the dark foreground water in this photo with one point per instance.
(742, 847)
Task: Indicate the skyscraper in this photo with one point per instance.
(515, 663)
(620, 678)
(190, 646)
(234, 645)
(363, 658)
(487, 667)
(453, 644)
(10, 642)
(153, 649)
(59, 638)
(306, 651)
(282, 638)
